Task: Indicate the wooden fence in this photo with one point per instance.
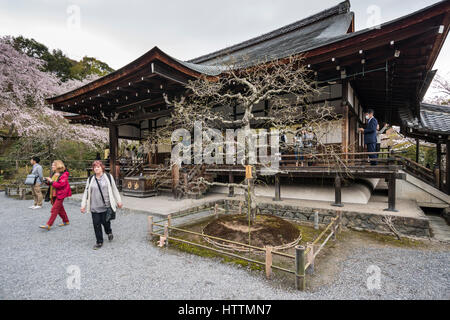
(302, 260)
(77, 184)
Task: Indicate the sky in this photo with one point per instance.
(119, 31)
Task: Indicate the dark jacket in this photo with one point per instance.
(370, 132)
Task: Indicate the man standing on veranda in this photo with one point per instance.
(36, 188)
(370, 135)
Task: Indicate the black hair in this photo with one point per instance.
(370, 111)
(37, 159)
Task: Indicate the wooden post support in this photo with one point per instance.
(391, 194)
(185, 180)
(277, 188)
(447, 157)
(166, 234)
(417, 150)
(240, 207)
(337, 192)
(269, 261)
(150, 227)
(175, 179)
(300, 267)
(439, 163)
(169, 219)
(230, 188)
(310, 258)
(339, 226)
(216, 210)
(316, 220)
(390, 156)
(113, 149)
(334, 228)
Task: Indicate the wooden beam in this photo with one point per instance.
(391, 194)
(113, 149)
(447, 176)
(439, 161)
(167, 73)
(145, 116)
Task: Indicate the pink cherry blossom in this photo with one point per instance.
(23, 89)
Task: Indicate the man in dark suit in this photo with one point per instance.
(370, 135)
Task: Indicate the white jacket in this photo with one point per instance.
(114, 195)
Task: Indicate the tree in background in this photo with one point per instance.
(58, 63)
(89, 66)
(442, 86)
(23, 112)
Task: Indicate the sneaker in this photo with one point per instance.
(37, 207)
(110, 237)
(97, 246)
(63, 224)
(47, 227)
(32, 207)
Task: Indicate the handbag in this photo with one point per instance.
(47, 195)
(110, 214)
(31, 180)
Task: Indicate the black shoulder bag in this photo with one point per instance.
(110, 214)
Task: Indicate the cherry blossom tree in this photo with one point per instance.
(441, 90)
(23, 112)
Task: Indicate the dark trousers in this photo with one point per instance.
(372, 147)
(99, 219)
(378, 147)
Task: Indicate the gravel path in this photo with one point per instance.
(34, 262)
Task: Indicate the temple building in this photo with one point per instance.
(387, 68)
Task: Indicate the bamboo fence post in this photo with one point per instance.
(269, 261)
(300, 267)
(310, 257)
(169, 220)
(216, 210)
(150, 227)
(240, 207)
(316, 220)
(334, 229)
(166, 234)
(339, 228)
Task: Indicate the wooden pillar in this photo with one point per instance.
(277, 188)
(447, 167)
(337, 192)
(175, 179)
(230, 188)
(391, 194)
(268, 261)
(439, 161)
(155, 149)
(300, 267)
(113, 146)
(345, 130)
(417, 150)
(150, 227)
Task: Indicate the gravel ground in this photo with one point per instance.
(34, 262)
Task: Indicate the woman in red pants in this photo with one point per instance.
(59, 190)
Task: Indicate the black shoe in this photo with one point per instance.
(98, 246)
(110, 237)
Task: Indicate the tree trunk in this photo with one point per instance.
(7, 140)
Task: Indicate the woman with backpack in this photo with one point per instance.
(59, 190)
(101, 198)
